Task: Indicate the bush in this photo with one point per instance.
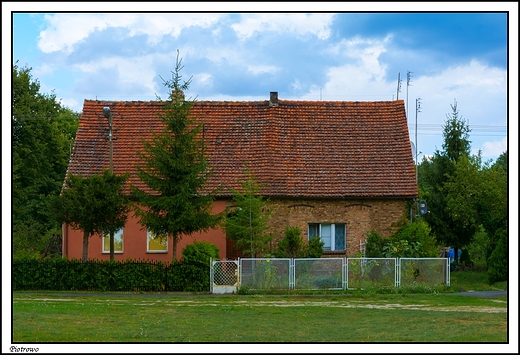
(200, 252)
(292, 245)
(464, 258)
(60, 274)
(374, 245)
(314, 248)
(498, 261)
(417, 234)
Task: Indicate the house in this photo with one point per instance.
(336, 169)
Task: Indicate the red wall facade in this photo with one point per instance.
(134, 242)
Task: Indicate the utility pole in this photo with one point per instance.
(408, 79)
(108, 115)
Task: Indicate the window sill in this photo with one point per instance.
(334, 252)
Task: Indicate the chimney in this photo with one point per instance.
(273, 99)
(178, 95)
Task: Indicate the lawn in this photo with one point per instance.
(173, 318)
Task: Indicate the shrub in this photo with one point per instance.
(464, 258)
(497, 262)
(417, 234)
(374, 245)
(200, 252)
(292, 245)
(314, 248)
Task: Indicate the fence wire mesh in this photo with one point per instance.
(318, 273)
(225, 272)
(327, 273)
(265, 274)
(371, 272)
(427, 271)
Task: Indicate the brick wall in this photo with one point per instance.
(360, 217)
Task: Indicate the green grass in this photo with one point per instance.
(473, 281)
(167, 318)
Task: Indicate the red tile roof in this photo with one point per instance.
(315, 149)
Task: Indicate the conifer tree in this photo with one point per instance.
(175, 169)
(246, 223)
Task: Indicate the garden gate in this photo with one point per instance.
(224, 276)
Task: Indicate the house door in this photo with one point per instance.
(232, 251)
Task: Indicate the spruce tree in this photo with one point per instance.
(246, 223)
(437, 173)
(176, 170)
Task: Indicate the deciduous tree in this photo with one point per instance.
(95, 204)
(43, 132)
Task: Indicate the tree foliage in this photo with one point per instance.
(467, 198)
(291, 245)
(200, 252)
(43, 132)
(175, 169)
(439, 176)
(95, 204)
(246, 222)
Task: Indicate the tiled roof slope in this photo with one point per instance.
(314, 149)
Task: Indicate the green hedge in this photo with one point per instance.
(94, 275)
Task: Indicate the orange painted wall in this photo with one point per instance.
(134, 242)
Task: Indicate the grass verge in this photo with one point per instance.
(166, 318)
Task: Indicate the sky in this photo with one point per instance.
(441, 58)
(243, 51)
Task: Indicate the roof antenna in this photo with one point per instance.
(398, 85)
(408, 79)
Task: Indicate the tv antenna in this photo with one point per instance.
(408, 79)
(398, 85)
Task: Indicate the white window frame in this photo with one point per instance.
(148, 235)
(119, 233)
(332, 234)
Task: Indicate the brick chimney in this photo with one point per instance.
(178, 95)
(273, 99)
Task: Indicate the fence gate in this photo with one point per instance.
(224, 276)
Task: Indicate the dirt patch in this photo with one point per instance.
(293, 303)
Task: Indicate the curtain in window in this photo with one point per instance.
(339, 237)
(326, 236)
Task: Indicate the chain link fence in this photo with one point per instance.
(265, 273)
(426, 271)
(371, 272)
(224, 276)
(322, 273)
(327, 273)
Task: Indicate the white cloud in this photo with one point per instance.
(316, 24)
(494, 148)
(135, 70)
(259, 69)
(68, 29)
(204, 79)
(364, 77)
(42, 70)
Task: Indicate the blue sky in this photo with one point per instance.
(345, 55)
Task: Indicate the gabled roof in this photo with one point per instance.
(314, 149)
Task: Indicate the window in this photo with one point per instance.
(156, 243)
(332, 234)
(118, 242)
